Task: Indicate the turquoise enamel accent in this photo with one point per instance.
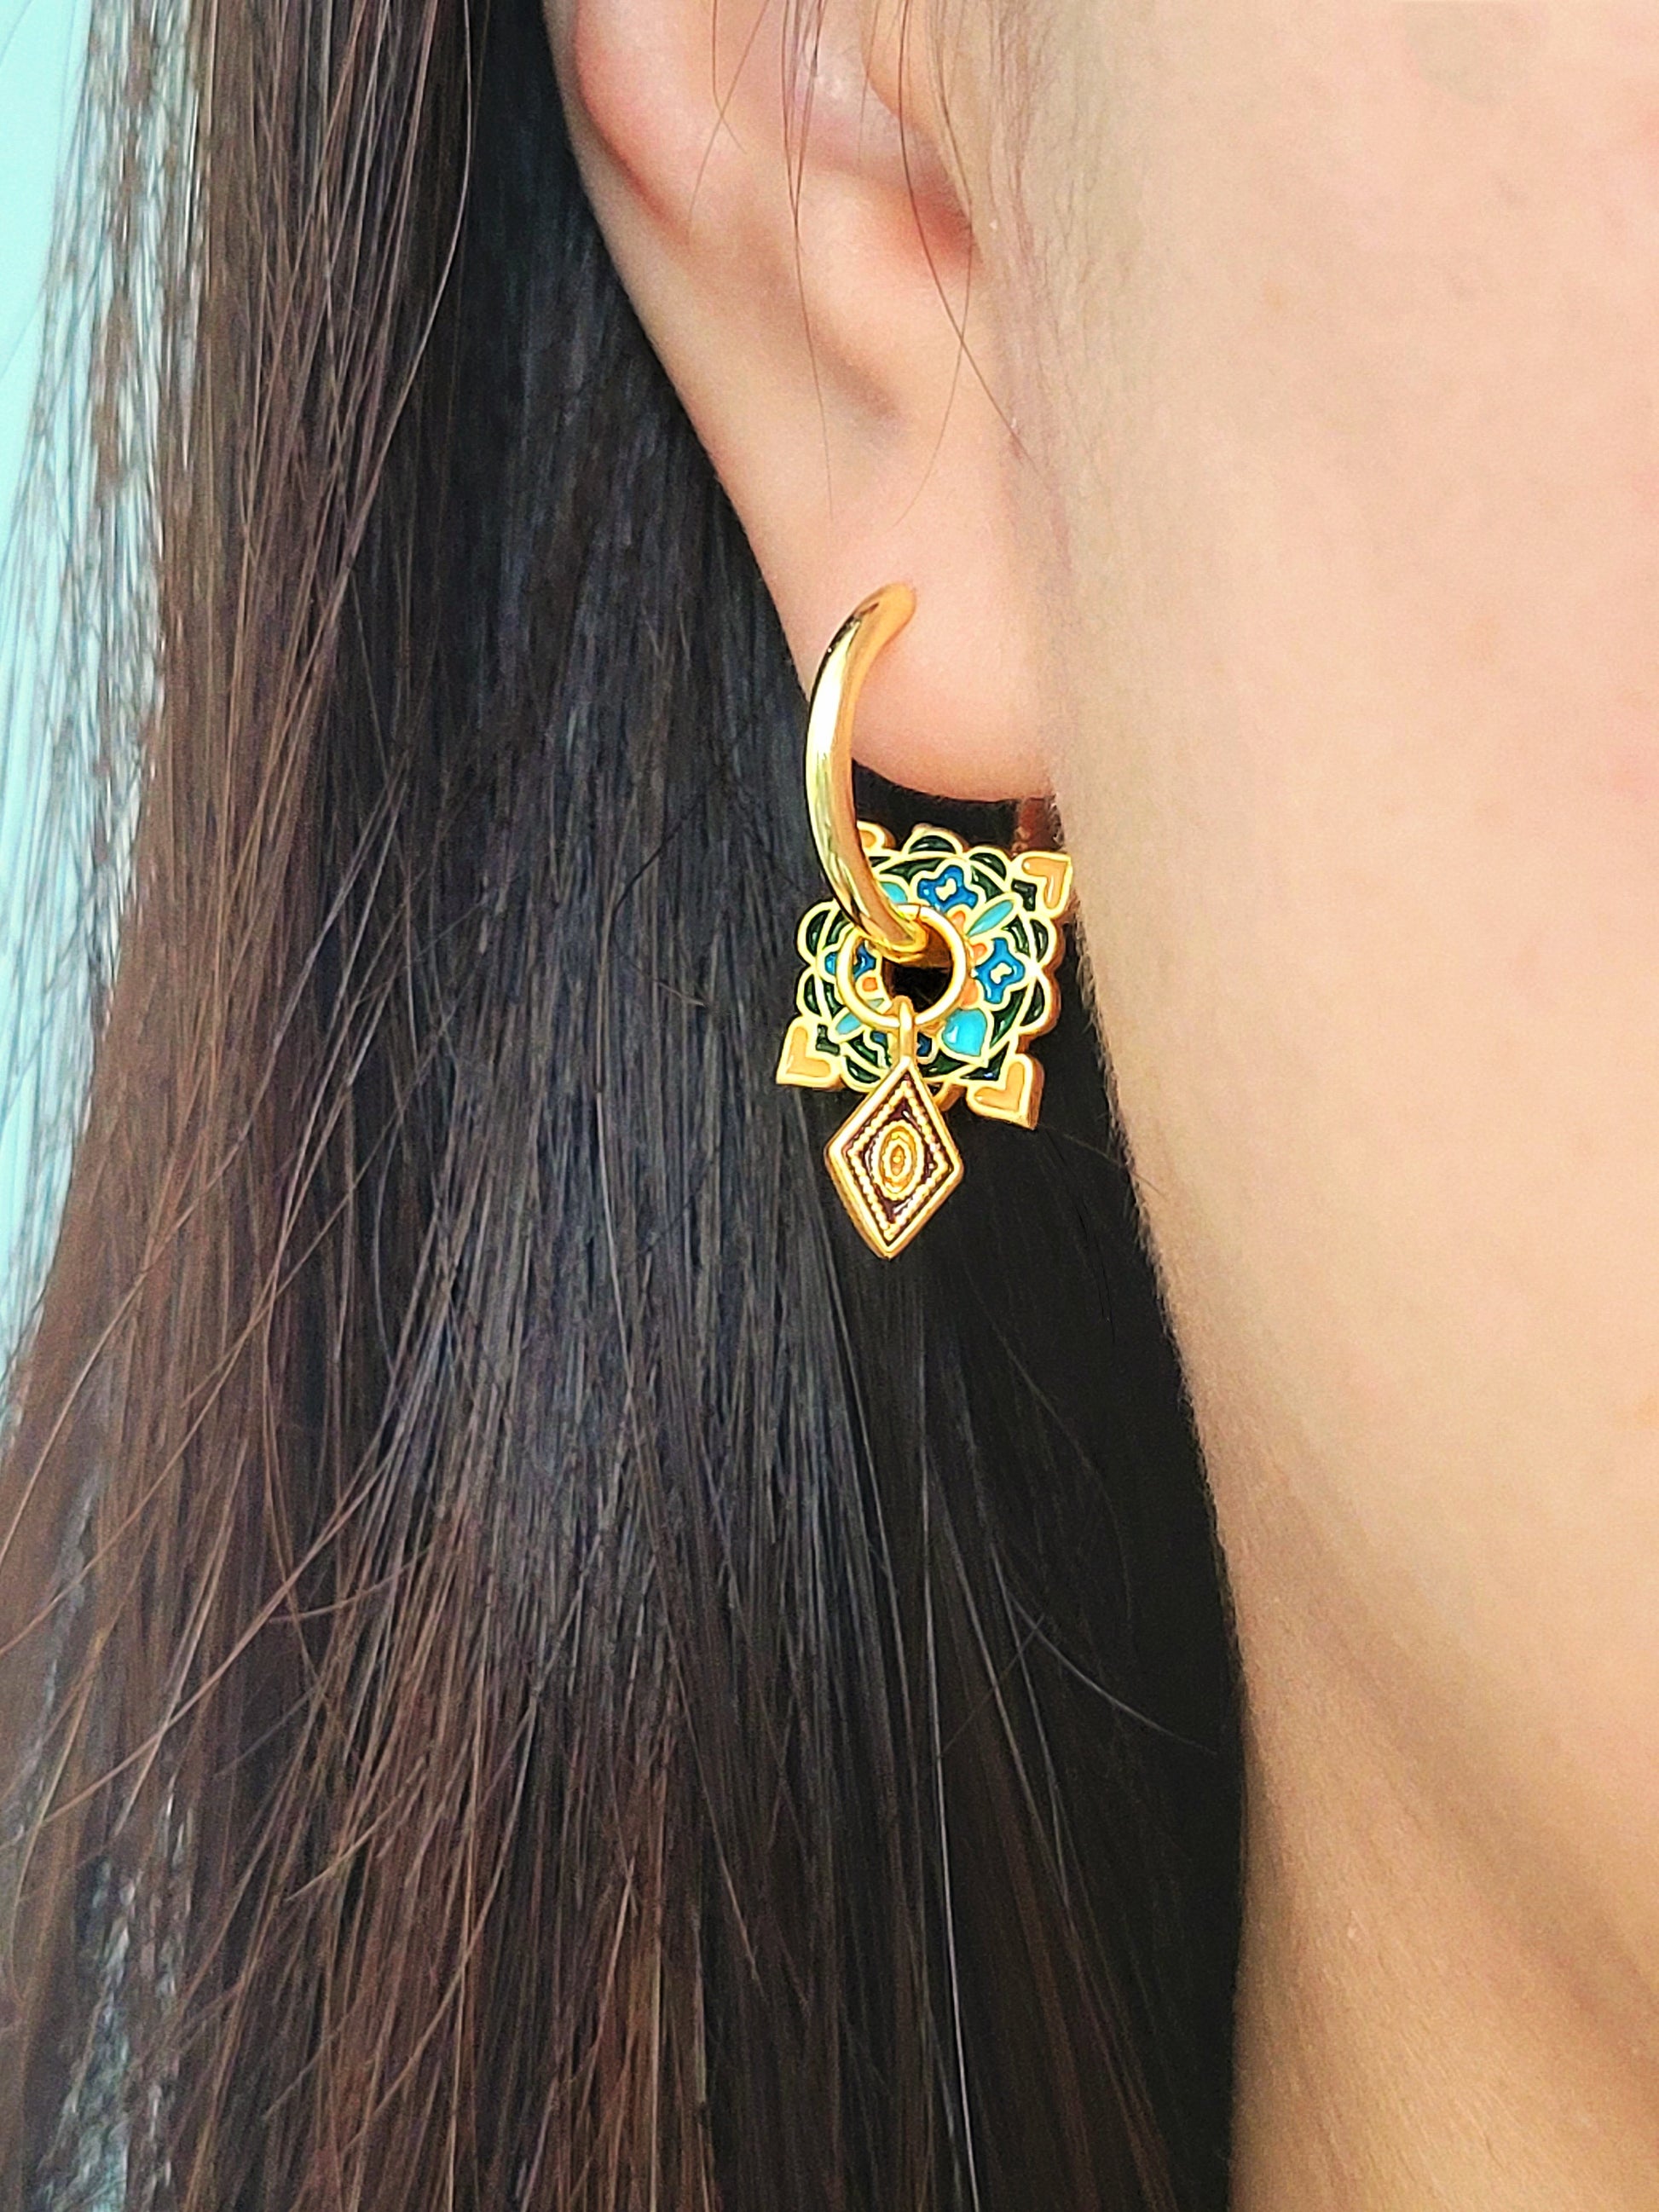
(966, 1032)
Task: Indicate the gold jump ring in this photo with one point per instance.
(940, 929)
(853, 650)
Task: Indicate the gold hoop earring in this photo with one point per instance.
(989, 922)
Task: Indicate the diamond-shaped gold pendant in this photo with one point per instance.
(894, 1162)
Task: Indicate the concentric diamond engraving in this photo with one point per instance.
(894, 1162)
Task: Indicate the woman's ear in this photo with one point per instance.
(793, 221)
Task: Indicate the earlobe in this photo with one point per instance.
(798, 251)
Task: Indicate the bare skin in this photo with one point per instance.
(1363, 776)
(1321, 561)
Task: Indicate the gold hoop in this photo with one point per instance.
(853, 650)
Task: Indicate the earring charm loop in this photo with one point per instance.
(859, 981)
(870, 626)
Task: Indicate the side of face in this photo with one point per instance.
(1264, 401)
(1348, 425)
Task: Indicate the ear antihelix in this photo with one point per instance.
(990, 924)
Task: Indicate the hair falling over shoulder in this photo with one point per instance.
(534, 1673)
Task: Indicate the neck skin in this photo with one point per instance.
(1412, 2031)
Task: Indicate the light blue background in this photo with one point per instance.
(41, 44)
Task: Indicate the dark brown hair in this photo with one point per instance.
(537, 1674)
